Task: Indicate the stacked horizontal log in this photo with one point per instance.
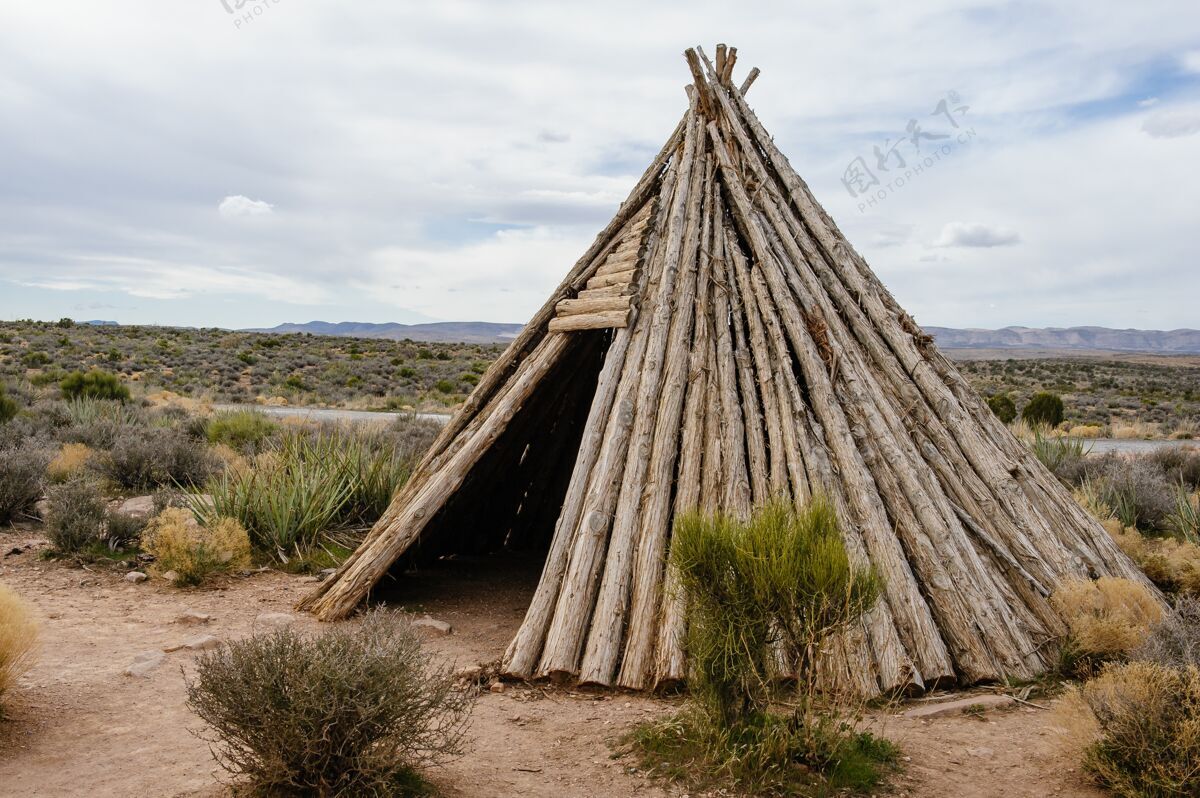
(755, 355)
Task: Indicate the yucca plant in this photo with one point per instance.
(1184, 523)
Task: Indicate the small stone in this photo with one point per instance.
(137, 507)
(497, 687)
(972, 703)
(136, 577)
(200, 643)
(468, 674)
(276, 619)
(193, 618)
(42, 508)
(983, 752)
(433, 626)
(171, 576)
(144, 663)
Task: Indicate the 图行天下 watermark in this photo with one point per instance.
(895, 166)
(245, 12)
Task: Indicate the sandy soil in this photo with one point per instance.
(78, 726)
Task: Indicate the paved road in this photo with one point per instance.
(1103, 445)
(332, 413)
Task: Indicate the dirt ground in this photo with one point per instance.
(78, 726)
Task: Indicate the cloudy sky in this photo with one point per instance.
(176, 163)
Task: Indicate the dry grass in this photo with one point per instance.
(70, 461)
(1107, 618)
(1171, 564)
(180, 544)
(1086, 431)
(1136, 430)
(18, 638)
(1137, 728)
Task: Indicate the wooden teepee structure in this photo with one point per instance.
(721, 343)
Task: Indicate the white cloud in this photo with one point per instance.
(975, 234)
(390, 135)
(234, 206)
(1172, 124)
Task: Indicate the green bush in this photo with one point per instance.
(244, 430)
(151, 457)
(1063, 456)
(76, 516)
(308, 483)
(22, 469)
(34, 359)
(8, 405)
(444, 386)
(351, 711)
(95, 384)
(782, 578)
(1044, 409)
(1002, 405)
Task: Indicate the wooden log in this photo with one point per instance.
(736, 499)
(749, 81)
(776, 406)
(603, 646)
(577, 596)
(614, 319)
(574, 307)
(726, 70)
(613, 278)
(606, 292)
(526, 646)
(655, 517)
(756, 445)
(669, 660)
(618, 262)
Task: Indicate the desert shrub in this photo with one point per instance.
(1172, 564)
(351, 711)
(146, 458)
(76, 516)
(18, 639)
(1181, 466)
(1043, 409)
(21, 472)
(70, 461)
(1134, 490)
(94, 384)
(1086, 431)
(123, 531)
(8, 405)
(99, 423)
(1138, 725)
(1175, 640)
(244, 430)
(1184, 523)
(444, 386)
(179, 543)
(1002, 405)
(1106, 619)
(781, 578)
(309, 482)
(1063, 456)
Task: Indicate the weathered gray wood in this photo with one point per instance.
(590, 321)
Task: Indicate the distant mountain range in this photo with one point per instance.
(1184, 341)
(1094, 338)
(467, 332)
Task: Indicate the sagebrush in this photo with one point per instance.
(355, 710)
(179, 543)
